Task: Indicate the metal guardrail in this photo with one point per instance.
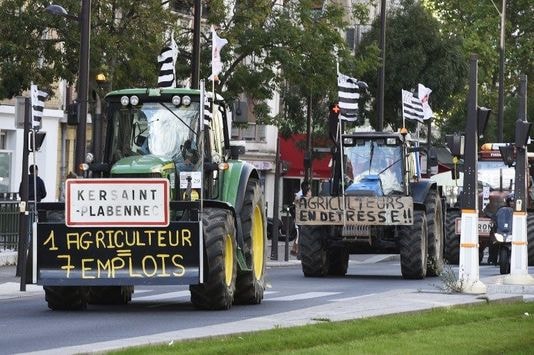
(9, 220)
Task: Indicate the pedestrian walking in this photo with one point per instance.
(39, 190)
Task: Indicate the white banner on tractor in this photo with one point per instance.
(359, 210)
(117, 202)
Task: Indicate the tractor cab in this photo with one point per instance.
(156, 133)
(375, 164)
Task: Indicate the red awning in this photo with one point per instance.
(292, 151)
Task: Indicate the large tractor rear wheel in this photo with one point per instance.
(110, 294)
(250, 285)
(66, 297)
(434, 219)
(452, 240)
(220, 267)
(313, 253)
(530, 238)
(413, 247)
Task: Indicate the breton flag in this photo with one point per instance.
(217, 43)
(412, 107)
(37, 99)
(208, 114)
(348, 94)
(167, 65)
(423, 93)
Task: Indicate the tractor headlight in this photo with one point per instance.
(89, 157)
(134, 100)
(125, 100)
(176, 100)
(186, 100)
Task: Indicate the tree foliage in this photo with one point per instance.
(478, 22)
(417, 51)
(290, 49)
(37, 46)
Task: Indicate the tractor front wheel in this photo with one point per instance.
(66, 298)
(452, 240)
(413, 247)
(313, 253)
(220, 266)
(110, 294)
(435, 233)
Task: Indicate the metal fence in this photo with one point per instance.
(9, 220)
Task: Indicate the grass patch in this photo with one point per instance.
(490, 328)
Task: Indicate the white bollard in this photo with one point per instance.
(519, 259)
(468, 273)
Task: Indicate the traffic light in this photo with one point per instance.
(72, 114)
(482, 120)
(39, 138)
(507, 154)
(455, 143)
(522, 133)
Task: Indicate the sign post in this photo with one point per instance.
(519, 258)
(468, 274)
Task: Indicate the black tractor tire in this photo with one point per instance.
(313, 252)
(530, 238)
(434, 219)
(220, 266)
(338, 261)
(66, 298)
(413, 247)
(250, 285)
(504, 260)
(452, 240)
(110, 294)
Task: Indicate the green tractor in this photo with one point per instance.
(170, 203)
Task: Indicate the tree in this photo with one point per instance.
(289, 48)
(43, 48)
(478, 22)
(417, 51)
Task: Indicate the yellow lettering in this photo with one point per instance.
(186, 237)
(67, 266)
(105, 266)
(87, 268)
(51, 240)
(163, 257)
(177, 260)
(154, 265)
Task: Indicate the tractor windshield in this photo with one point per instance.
(493, 172)
(372, 158)
(156, 128)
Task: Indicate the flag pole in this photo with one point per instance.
(342, 160)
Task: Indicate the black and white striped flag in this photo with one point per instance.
(412, 107)
(167, 65)
(348, 94)
(38, 98)
(208, 114)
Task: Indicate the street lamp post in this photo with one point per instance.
(501, 74)
(83, 80)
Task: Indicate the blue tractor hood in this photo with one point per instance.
(369, 185)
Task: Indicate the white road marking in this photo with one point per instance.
(352, 298)
(302, 296)
(162, 296)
